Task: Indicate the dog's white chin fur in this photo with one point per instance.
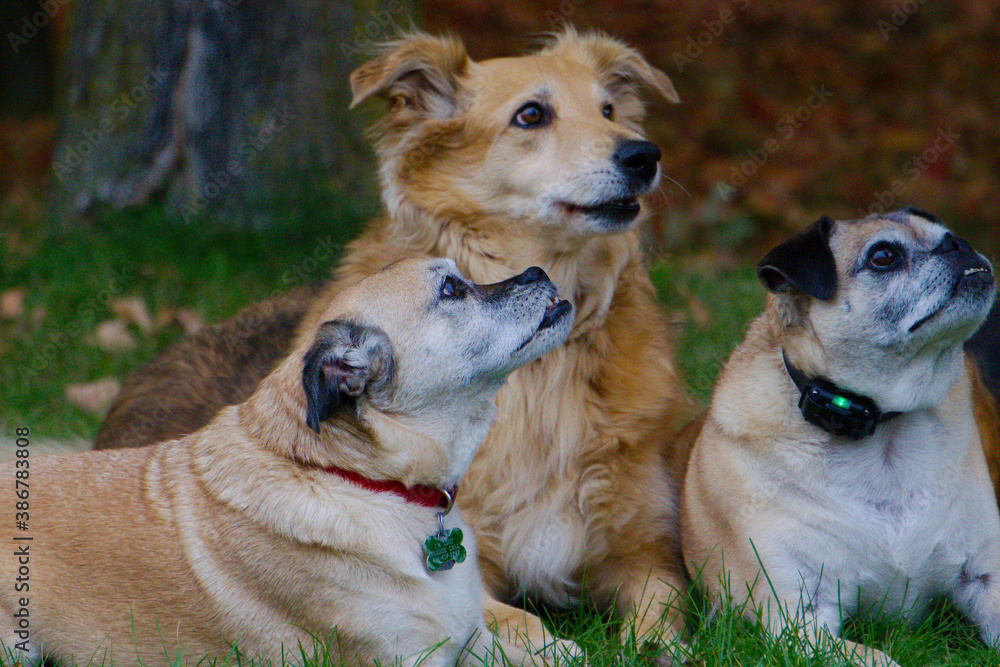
(917, 385)
(913, 371)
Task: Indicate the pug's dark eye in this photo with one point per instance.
(608, 111)
(452, 289)
(884, 257)
(530, 115)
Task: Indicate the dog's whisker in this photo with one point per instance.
(677, 183)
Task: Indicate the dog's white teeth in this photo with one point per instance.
(977, 269)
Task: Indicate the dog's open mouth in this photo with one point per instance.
(616, 210)
(978, 272)
(556, 309)
(976, 269)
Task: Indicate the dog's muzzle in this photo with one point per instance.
(965, 263)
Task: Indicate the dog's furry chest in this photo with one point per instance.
(884, 518)
(554, 518)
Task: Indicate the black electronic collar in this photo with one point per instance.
(833, 409)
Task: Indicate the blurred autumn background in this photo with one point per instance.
(789, 111)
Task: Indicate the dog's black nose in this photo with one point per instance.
(639, 158)
(532, 275)
(951, 243)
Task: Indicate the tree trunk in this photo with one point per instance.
(214, 105)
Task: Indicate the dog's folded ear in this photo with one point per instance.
(618, 64)
(417, 72)
(346, 360)
(804, 263)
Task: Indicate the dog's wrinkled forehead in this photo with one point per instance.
(852, 241)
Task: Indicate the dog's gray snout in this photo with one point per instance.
(639, 158)
(502, 290)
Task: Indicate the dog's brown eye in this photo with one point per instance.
(883, 256)
(608, 111)
(452, 289)
(531, 114)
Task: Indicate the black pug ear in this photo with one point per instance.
(920, 213)
(804, 263)
(346, 360)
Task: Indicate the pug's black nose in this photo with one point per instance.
(532, 275)
(951, 243)
(638, 158)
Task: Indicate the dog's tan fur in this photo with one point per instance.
(236, 535)
(590, 420)
(570, 495)
(987, 413)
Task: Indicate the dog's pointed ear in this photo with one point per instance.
(804, 263)
(418, 72)
(619, 65)
(346, 360)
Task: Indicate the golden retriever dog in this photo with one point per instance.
(317, 509)
(500, 165)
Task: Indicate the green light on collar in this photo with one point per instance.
(841, 402)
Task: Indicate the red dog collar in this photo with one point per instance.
(428, 496)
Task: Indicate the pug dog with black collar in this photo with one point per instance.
(840, 470)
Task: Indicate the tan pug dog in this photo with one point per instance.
(308, 511)
(840, 470)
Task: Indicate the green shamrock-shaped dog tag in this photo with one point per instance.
(444, 549)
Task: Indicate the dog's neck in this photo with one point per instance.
(834, 409)
(903, 382)
(434, 448)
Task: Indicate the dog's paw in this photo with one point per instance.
(859, 654)
(562, 652)
(673, 654)
(875, 658)
(667, 659)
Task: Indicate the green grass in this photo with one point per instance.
(73, 278)
(217, 272)
(730, 299)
